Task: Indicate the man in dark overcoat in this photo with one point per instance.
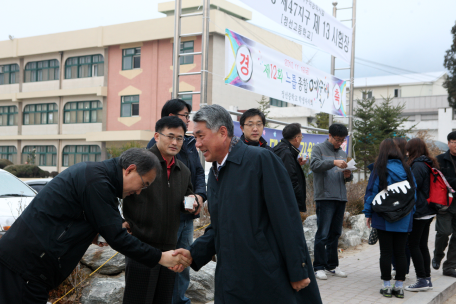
(256, 231)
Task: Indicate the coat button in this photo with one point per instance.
(303, 264)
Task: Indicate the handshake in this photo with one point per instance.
(176, 260)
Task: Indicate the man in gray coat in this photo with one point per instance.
(331, 196)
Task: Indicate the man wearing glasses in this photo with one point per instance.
(252, 124)
(331, 196)
(153, 215)
(189, 156)
(446, 221)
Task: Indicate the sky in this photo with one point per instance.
(392, 36)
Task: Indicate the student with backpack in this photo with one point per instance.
(389, 205)
(421, 162)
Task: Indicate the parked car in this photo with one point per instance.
(38, 184)
(15, 195)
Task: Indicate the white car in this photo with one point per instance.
(15, 195)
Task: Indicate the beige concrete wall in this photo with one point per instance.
(88, 82)
(81, 128)
(9, 88)
(438, 89)
(377, 92)
(8, 130)
(40, 129)
(40, 86)
(416, 90)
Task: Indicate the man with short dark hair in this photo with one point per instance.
(256, 229)
(330, 196)
(189, 156)
(48, 240)
(288, 151)
(446, 222)
(153, 215)
(252, 125)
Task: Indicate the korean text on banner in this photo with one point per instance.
(306, 19)
(252, 66)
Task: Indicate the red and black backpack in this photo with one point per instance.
(440, 192)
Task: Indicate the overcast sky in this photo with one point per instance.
(407, 34)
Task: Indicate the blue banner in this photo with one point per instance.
(273, 137)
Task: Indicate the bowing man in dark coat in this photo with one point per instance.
(256, 231)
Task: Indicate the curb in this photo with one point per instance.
(444, 288)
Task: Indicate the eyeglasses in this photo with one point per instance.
(452, 142)
(172, 138)
(340, 141)
(251, 125)
(144, 184)
(187, 116)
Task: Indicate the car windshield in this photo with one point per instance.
(11, 186)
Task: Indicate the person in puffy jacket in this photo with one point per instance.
(420, 160)
(389, 168)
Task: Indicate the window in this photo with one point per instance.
(429, 116)
(188, 98)
(129, 106)
(277, 103)
(9, 74)
(8, 116)
(186, 47)
(8, 152)
(85, 66)
(397, 93)
(76, 154)
(44, 155)
(42, 71)
(131, 59)
(83, 112)
(367, 95)
(40, 114)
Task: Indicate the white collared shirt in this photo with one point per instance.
(223, 161)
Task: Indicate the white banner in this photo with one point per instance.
(306, 19)
(252, 66)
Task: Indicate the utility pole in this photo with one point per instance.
(352, 82)
(333, 60)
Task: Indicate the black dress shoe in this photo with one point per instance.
(435, 264)
(450, 272)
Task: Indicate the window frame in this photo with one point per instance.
(16, 73)
(131, 102)
(50, 150)
(66, 154)
(51, 64)
(69, 63)
(186, 59)
(278, 103)
(365, 95)
(187, 98)
(47, 111)
(8, 115)
(81, 111)
(136, 54)
(8, 154)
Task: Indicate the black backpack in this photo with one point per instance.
(396, 203)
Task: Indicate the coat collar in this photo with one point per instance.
(447, 155)
(157, 153)
(118, 180)
(331, 146)
(292, 148)
(261, 143)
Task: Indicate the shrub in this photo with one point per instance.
(26, 171)
(355, 197)
(54, 173)
(4, 163)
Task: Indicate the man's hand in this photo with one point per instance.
(300, 284)
(184, 253)
(195, 205)
(303, 161)
(171, 259)
(200, 201)
(347, 173)
(368, 222)
(126, 226)
(340, 163)
(99, 244)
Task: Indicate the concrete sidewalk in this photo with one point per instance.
(363, 282)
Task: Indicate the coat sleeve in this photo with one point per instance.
(284, 215)
(203, 249)
(450, 179)
(200, 184)
(151, 143)
(290, 164)
(371, 192)
(100, 211)
(317, 163)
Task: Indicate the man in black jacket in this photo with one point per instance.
(189, 156)
(446, 223)
(252, 125)
(153, 216)
(50, 237)
(288, 151)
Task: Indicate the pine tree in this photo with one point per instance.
(388, 119)
(450, 64)
(263, 106)
(322, 122)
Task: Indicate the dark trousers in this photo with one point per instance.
(418, 242)
(330, 216)
(15, 290)
(445, 226)
(145, 285)
(392, 243)
(408, 256)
